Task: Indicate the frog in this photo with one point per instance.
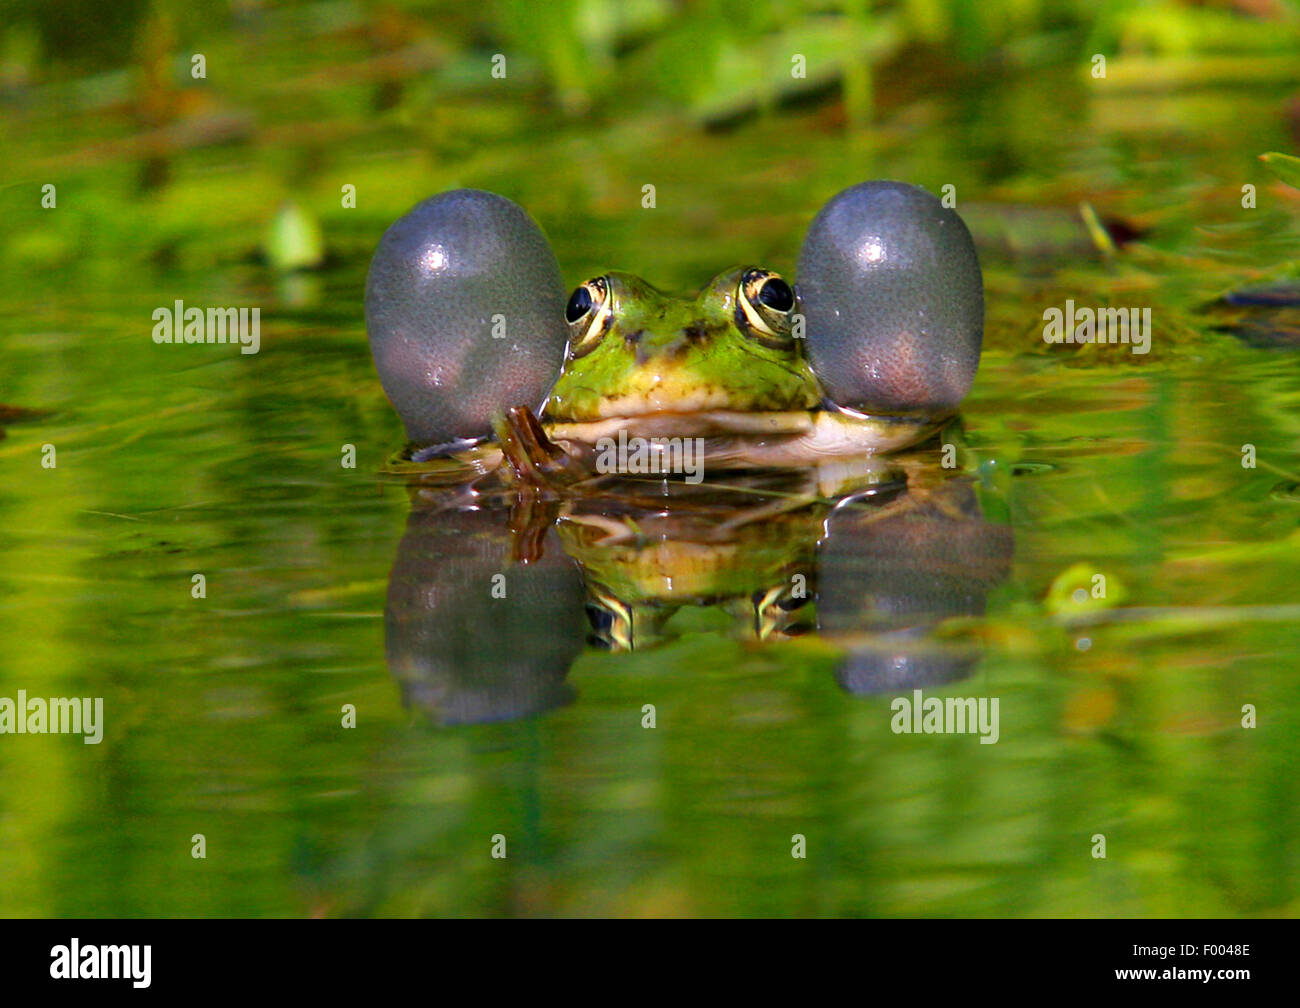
(488, 363)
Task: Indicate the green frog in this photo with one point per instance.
(485, 361)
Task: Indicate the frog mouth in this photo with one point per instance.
(705, 423)
(777, 438)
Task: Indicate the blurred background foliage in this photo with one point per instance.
(400, 100)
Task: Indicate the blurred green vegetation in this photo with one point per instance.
(787, 101)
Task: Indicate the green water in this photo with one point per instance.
(223, 713)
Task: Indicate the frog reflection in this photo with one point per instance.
(494, 593)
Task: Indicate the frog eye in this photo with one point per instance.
(764, 303)
(590, 313)
(776, 294)
(579, 304)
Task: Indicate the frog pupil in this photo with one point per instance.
(579, 304)
(776, 294)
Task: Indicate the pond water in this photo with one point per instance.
(1119, 716)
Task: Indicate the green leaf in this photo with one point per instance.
(1284, 166)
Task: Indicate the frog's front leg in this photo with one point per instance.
(530, 459)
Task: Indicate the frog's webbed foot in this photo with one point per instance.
(531, 461)
(535, 468)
